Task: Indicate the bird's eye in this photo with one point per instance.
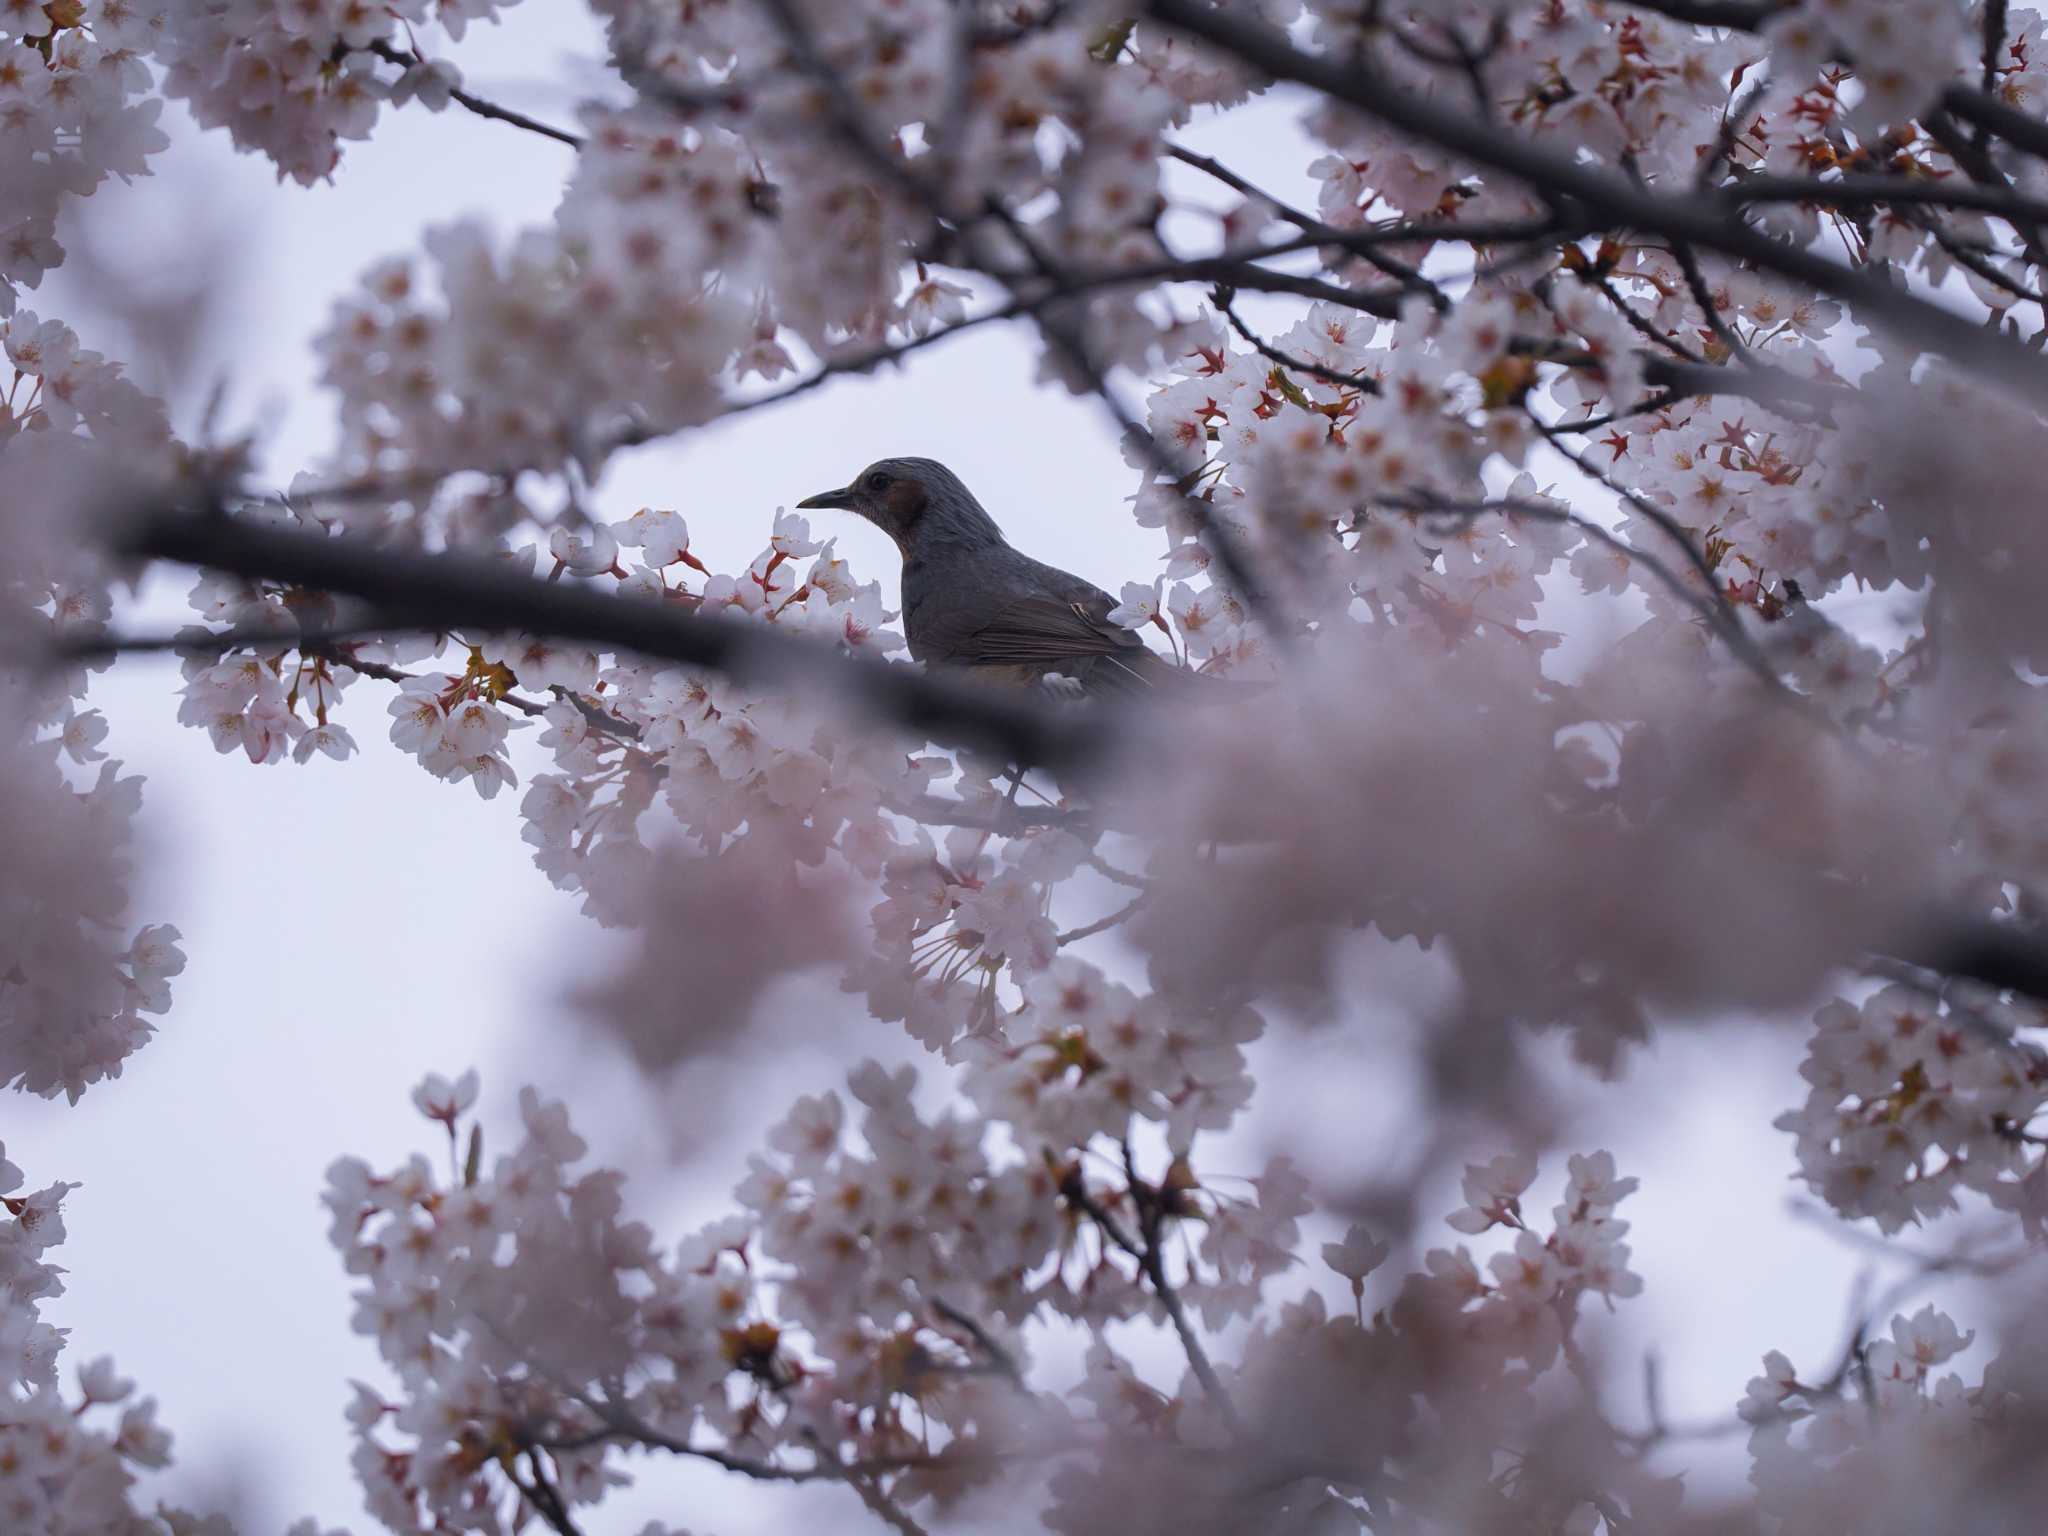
(878, 481)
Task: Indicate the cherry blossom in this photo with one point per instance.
(1524, 505)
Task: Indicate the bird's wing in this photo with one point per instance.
(1061, 635)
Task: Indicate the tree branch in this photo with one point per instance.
(406, 58)
(1981, 109)
(1724, 622)
(1145, 1249)
(1852, 192)
(1610, 199)
(1409, 277)
(542, 1497)
(1736, 15)
(1222, 297)
(469, 593)
(1151, 1220)
(1102, 925)
(1004, 1362)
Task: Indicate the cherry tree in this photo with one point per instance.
(1512, 498)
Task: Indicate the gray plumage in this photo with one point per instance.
(971, 601)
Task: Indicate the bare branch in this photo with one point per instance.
(1408, 276)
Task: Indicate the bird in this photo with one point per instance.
(974, 604)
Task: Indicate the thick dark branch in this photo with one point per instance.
(470, 593)
(1993, 43)
(1981, 109)
(1974, 260)
(1986, 952)
(1975, 162)
(405, 58)
(1877, 191)
(1243, 274)
(1766, 385)
(1613, 200)
(1736, 15)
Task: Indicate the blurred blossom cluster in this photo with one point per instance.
(77, 975)
(1604, 605)
(867, 1305)
(67, 1460)
(1907, 1442)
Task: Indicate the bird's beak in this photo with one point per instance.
(842, 499)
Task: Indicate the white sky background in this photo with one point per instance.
(354, 926)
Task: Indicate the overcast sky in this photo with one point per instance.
(354, 926)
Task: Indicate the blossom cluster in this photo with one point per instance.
(1912, 1103)
(295, 82)
(1453, 1371)
(1536, 554)
(823, 1321)
(1085, 1056)
(78, 982)
(868, 1302)
(66, 1465)
(1891, 1440)
(75, 109)
(610, 345)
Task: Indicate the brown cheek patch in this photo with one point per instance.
(905, 500)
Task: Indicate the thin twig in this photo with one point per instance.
(1429, 504)
(1409, 277)
(406, 58)
(1151, 1220)
(1123, 914)
(541, 1497)
(999, 1357)
(1226, 305)
(1703, 296)
(1724, 622)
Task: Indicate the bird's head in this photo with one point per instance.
(917, 502)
